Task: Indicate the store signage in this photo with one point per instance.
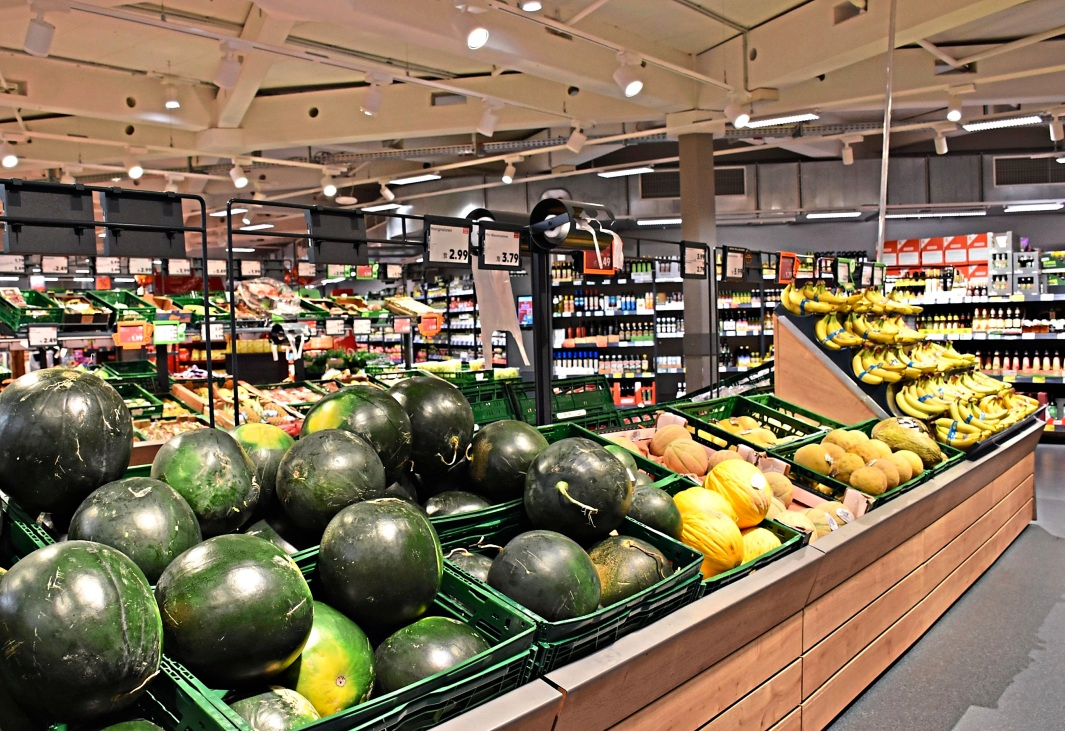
(217, 332)
(865, 276)
(140, 266)
(694, 263)
(251, 268)
(334, 327)
(216, 268)
(401, 325)
(733, 263)
(844, 273)
(108, 265)
(448, 244)
(336, 270)
(393, 271)
(131, 336)
(12, 263)
(805, 268)
(878, 275)
(366, 271)
(305, 269)
(786, 267)
(361, 326)
(500, 249)
(168, 333)
(55, 265)
(179, 267)
(42, 337)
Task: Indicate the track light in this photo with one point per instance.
(847, 154)
(510, 171)
(375, 98)
(172, 101)
(240, 179)
(530, 6)
(626, 77)
(133, 167)
(470, 28)
(1057, 130)
(737, 115)
(171, 185)
(227, 74)
(329, 186)
(39, 35)
(66, 178)
(489, 117)
(387, 194)
(941, 144)
(953, 108)
(576, 140)
(8, 158)
(1060, 160)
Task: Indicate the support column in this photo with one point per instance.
(699, 214)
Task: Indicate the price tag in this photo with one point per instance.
(449, 244)
(734, 265)
(217, 332)
(393, 271)
(306, 269)
(1027, 336)
(335, 270)
(1009, 379)
(1016, 298)
(979, 336)
(1039, 379)
(108, 265)
(695, 262)
(168, 333)
(334, 327)
(12, 263)
(500, 249)
(251, 268)
(361, 326)
(179, 267)
(42, 337)
(140, 266)
(131, 336)
(401, 325)
(216, 267)
(1046, 298)
(54, 265)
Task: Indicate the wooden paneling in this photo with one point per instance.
(767, 705)
(791, 722)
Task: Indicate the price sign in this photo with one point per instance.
(334, 327)
(361, 326)
(130, 336)
(878, 275)
(217, 332)
(733, 264)
(393, 271)
(1046, 298)
(54, 265)
(366, 271)
(786, 266)
(305, 269)
(694, 265)
(251, 268)
(216, 267)
(336, 270)
(179, 267)
(140, 266)
(13, 264)
(500, 249)
(168, 333)
(449, 244)
(108, 265)
(401, 325)
(42, 337)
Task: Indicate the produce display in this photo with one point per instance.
(160, 431)
(294, 395)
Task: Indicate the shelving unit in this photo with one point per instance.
(745, 316)
(461, 337)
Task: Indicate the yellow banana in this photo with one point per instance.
(861, 372)
(947, 423)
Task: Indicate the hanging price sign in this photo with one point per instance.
(401, 325)
(54, 265)
(179, 267)
(393, 271)
(499, 249)
(13, 264)
(42, 337)
(694, 260)
(305, 269)
(336, 270)
(140, 266)
(108, 265)
(251, 268)
(360, 326)
(448, 244)
(216, 268)
(334, 327)
(131, 336)
(217, 332)
(168, 333)
(733, 265)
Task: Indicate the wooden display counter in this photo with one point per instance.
(792, 645)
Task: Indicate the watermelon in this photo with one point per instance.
(235, 609)
(476, 565)
(655, 508)
(265, 445)
(324, 472)
(422, 649)
(137, 724)
(372, 414)
(81, 632)
(404, 489)
(441, 422)
(143, 518)
(577, 488)
(336, 668)
(547, 573)
(278, 709)
(499, 457)
(454, 502)
(380, 562)
(211, 471)
(627, 566)
(63, 433)
(626, 458)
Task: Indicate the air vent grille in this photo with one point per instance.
(666, 184)
(1028, 171)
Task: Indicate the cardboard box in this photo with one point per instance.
(956, 250)
(891, 253)
(932, 251)
(978, 248)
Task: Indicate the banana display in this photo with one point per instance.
(817, 299)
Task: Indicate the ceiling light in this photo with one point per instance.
(39, 35)
(243, 250)
(66, 178)
(847, 154)
(83, 279)
(227, 74)
(240, 179)
(737, 115)
(1002, 123)
(658, 222)
(1057, 130)
(1061, 160)
(133, 167)
(375, 98)
(509, 173)
(387, 194)
(835, 214)
(470, 28)
(1033, 207)
(346, 200)
(941, 144)
(256, 227)
(8, 158)
(626, 77)
(382, 207)
(222, 213)
(576, 140)
(124, 280)
(489, 118)
(625, 171)
(787, 119)
(530, 6)
(8, 278)
(937, 214)
(171, 185)
(247, 219)
(329, 186)
(414, 179)
(172, 101)
(953, 108)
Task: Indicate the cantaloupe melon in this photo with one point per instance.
(815, 457)
(781, 486)
(667, 435)
(720, 456)
(686, 457)
(797, 520)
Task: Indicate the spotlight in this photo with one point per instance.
(387, 194)
(240, 179)
(1057, 132)
(172, 101)
(133, 167)
(530, 6)
(625, 77)
(509, 173)
(576, 140)
(489, 118)
(329, 187)
(8, 158)
(371, 103)
(39, 35)
(1060, 160)
(470, 28)
(171, 185)
(953, 108)
(847, 154)
(228, 72)
(66, 178)
(941, 144)
(737, 115)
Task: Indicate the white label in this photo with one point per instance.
(218, 332)
(108, 265)
(336, 270)
(1027, 336)
(334, 327)
(502, 248)
(216, 267)
(54, 265)
(165, 332)
(140, 266)
(251, 268)
(734, 265)
(449, 244)
(12, 263)
(979, 336)
(306, 269)
(394, 271)
(41, 337)
(361, 326)
(1046, 298)
(179, 267)
(695, 261)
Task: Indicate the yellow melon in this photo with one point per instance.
(758, 542)
(700, 500)
(815, 457)
(716, 536)
(744, 487)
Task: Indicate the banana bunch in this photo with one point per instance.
(891, 304)
(969, 423)
(921, 399)
(832, 335)
(814, 299)
(946, 357)
(883, 331)
(873, 366)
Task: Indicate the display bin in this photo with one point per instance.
(568, 640)
(140, 372)
(490, 401)
(40, 309)
(782, 425)
(808, 478)
(139, 402)
(791, 540)
(387, 378)
(22, 535)
(597, 422)
(794, 411)
(184, 301)
(570, 398)
(124, 304)
(466, 376)
(194, 421)
(506, 665)
(638, 418)
(757, 380)
(73, 319)
(302, 405)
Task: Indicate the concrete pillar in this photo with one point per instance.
(699, 214)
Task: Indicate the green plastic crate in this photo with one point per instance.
(490, 401)
(568, 640)
(783, 426)
(507, 665)
(186, 300)
(22, 535)
(130, 391)
(390, 377)
(301, 406)
(141, 372)
(796, 412)
(570, 398)
(467, 377)
(40, 309)
(122, 301)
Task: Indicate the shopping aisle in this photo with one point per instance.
(995, 661)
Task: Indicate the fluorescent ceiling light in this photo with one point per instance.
(83, 279)
(51, 279)
(124, 280)
(237, 174)
(937, 214)
(7, 278)
(1002, 123)
(788, 119)
(1033, 207)
(625, 171)
(222, 213)
(415, 179)
(172, 101)
(39, 35)
(243, 250)
(256, 227)
(8, 158)
(835, 214)
(658, 222)
(82, 271)
(382, 207)
(737, 115)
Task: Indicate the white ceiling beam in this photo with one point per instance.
(260, 26)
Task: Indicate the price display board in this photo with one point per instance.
(845, 271)
(826, 268)
(733, 264)
(168, 333)
(360, 326)
(140, 266)
(499, 249)
(865, 274)
(806, 266)
(335, 327)
(55, 265)
(217, 332)
(251, 268)
(179, 267)
(879, 270)
(13, 263)
(401, 325)
(366, 271)
(787, 265)
(131, 336)
(448, 244)
(306, 269)
(216, 267)
(336, 270)
(42, 337)
(694, 263)
(108, 265)
(393, 271)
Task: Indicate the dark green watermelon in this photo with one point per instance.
(627, 566)
(144, 518)
(500, 455)
(642, 478)
(137, 724)
(454, 502)
(625, 457)
(441, 422)
(655, 508)
(235, 609)
(372, 414)
(380, 562)
(211, 471)
(325, 472)
(262, 529)
(80, 630)
(577, 488)
(63, 433)
(476, 565)
(547, 573)
(265, 445)
(278, 709)
(422, 649)
(404, 489)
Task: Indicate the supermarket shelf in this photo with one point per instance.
(625, 344)
(1033, 379)
(733, 369)
(606, 282)
(991, 299)
(607, 313)
(670, 335)
(744, 335)
(997, 337)
(670, 307)
(670, 371)
(721, 306)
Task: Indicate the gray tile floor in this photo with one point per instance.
(996, 660)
